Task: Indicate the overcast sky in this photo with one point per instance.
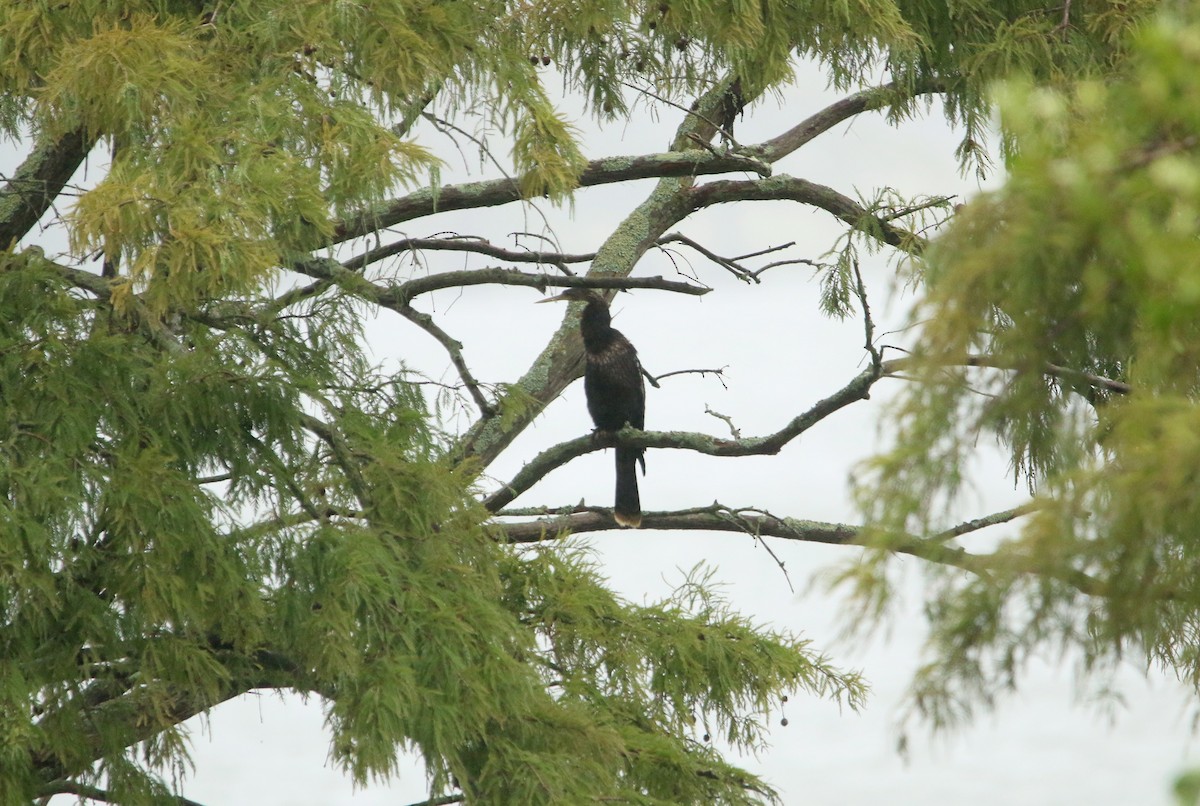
(1043, 745)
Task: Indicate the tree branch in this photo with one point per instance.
(717, 518)
(134, 717)
(455, 279)
(63, 787)
(868, 100)
(36, 184)
(489, 193)
(558, 455)
(474, 245)
(453, 347)
(784, 187)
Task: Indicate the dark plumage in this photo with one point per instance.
(616, 393)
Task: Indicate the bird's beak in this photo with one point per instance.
(555, 298)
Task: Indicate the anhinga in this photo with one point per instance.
(615, 391)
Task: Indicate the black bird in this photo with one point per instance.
(615, 391)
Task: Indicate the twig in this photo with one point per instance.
(860, 290)
(750, 526)
(730, 264)
(654, 379)
(766, 251)
(401, 294)
(733, 429)
(936, 201)
(454, 348)
(791, 262)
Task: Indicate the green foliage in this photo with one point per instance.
(1187, 788)
(206, 487)
(1061, 321)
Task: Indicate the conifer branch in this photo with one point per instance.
(490, 193)
(401, 294)
(840, 111)
(477, 246)
(454, 348)
(552, 523)
(82, 791)
(770, 444)
(784, 187)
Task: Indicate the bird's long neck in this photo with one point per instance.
(596, 327)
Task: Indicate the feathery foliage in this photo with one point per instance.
(1061, 321)
(207, 486)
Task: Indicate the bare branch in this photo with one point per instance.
(653, 380)
(730, 264)
(803, 261)
(714, 518)
(725, 418)
(496, 276)
(94, 793)
(558, 455)
(784, 187)
(463, 244)
(860, 289)
(489, 193)
(397, 296)
(982, 523)
(876, 98)
(453, 347)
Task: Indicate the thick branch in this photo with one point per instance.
(784, 187)
(720, 518)
(875, 98)
(138, 715)
(551, 458)
(83, 791)
(37, 183)
(490, 193)
(457, 279)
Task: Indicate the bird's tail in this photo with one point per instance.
(627, 509)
